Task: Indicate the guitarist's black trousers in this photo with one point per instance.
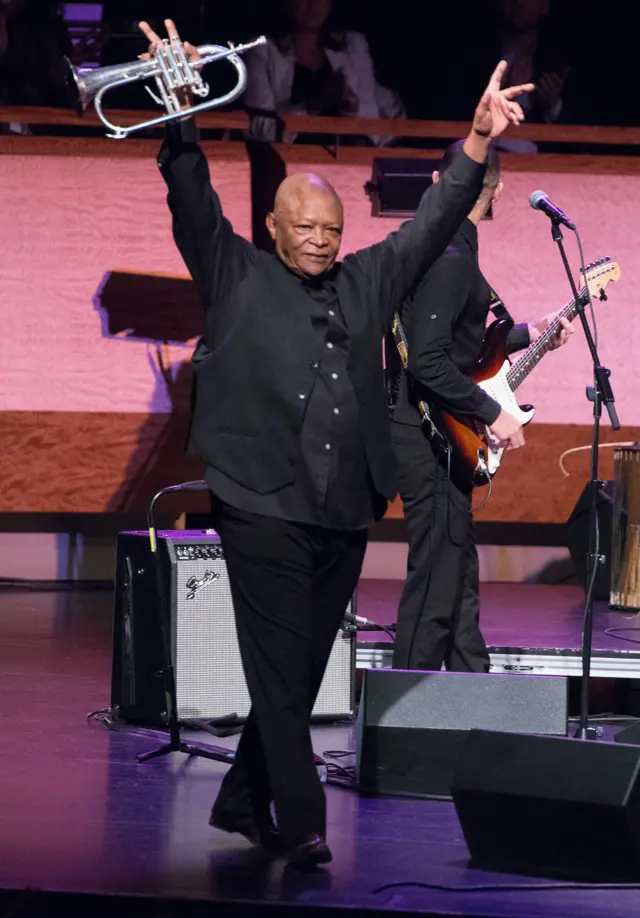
(440, 604)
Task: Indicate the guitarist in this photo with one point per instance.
(444, 321)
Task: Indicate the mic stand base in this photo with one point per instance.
(113, 721)
(586, 733)
(217, 754)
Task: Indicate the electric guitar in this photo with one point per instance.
(475, 459)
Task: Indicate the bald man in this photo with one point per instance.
(291, 420)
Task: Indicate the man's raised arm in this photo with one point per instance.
(213, 253)
(397, 264)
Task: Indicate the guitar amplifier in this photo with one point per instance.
(210, 682)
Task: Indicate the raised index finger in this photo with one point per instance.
(496, 77)
(153, 38)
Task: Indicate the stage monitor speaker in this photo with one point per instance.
(210, 681)
(397, 185)
(412, 725)
(577, 535)
(550, 806)
(630, 735)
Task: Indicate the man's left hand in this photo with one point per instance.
(497, 109)
(565, 329)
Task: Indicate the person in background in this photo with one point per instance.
(532, 45)
(308, 68)
(33, 43)
(444, 320)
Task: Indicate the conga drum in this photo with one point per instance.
(625, 536)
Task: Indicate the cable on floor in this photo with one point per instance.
(511, 887)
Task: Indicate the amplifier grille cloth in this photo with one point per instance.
(209, 677)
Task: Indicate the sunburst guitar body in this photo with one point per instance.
(475, 456)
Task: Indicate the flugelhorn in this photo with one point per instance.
(172, 72)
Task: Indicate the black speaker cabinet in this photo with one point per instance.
(210, 681)
(630, 735)
(412, 725)
(577, 535)
(550, 806)
(397, 186)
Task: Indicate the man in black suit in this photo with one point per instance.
(291, 420)
(444, 321)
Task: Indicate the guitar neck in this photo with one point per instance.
(519, 371)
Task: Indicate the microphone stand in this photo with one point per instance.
(176, 743)
(600, 393)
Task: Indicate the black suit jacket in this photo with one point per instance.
(445, 322)
(257, 363)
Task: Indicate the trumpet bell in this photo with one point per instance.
(84, 85)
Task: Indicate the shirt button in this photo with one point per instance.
(301, 395)
(314, 364)
(334, 376)
(331, 312)
(327, 446)
(336, 411)
(329, 345)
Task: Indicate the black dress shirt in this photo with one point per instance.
(332, 487)
(445, 321)
(288, 367)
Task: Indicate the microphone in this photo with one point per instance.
(540, 201)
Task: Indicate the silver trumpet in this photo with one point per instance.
(172, 72)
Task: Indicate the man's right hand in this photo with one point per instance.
(184, 95)
(506, 431)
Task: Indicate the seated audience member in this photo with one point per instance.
(308, 68)
(532, 43)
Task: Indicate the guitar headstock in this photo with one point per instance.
(599, 274)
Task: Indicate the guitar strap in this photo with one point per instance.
(498, 309)
(497, 306)
(400, 339)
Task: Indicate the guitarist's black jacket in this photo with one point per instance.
(444, 320)
(263, 377)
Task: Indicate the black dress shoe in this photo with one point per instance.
(266, 836)
(310, 853)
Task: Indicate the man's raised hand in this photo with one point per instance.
(172, 33)
(155, 42)
(497, 109)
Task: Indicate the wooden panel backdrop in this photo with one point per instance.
(98, 317)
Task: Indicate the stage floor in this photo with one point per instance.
(530, 628)
(79, 814)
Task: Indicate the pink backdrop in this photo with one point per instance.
(66, 221)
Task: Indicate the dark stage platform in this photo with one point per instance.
(530, 628)
(80, 815)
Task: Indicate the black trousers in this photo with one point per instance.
(291, 585)
(438, 616)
